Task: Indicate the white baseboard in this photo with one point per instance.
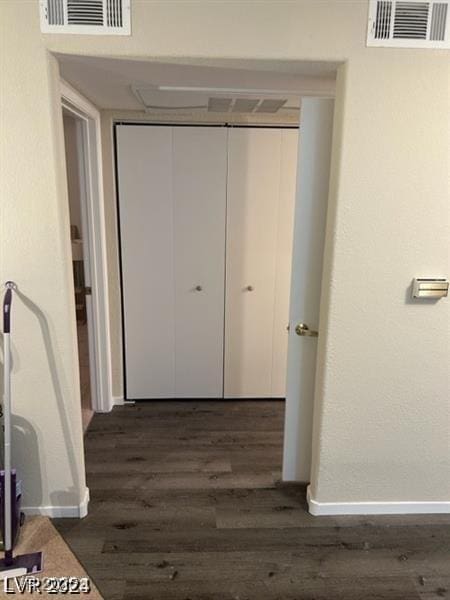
(118, 401)
(56, 512)
(375, 508)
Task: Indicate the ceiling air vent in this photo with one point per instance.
(244, 105)
(409, 23)
(91, 17)
(219, 104)
(247, 105)
(271, 106)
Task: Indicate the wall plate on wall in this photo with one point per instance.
(427, 287)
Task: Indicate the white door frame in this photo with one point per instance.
(95, 249)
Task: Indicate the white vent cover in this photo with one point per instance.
(157, 99)
(409, 23)
(92, 17)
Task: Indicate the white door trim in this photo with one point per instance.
(82, 109)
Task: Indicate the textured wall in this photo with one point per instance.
(382, 421)
(36, 253)
(384, 387)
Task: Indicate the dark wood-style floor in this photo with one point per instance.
(186, 505)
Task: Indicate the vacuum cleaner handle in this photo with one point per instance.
(7, 500)
(7, 301)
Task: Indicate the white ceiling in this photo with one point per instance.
(109, 82)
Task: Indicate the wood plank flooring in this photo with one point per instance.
(186, 504)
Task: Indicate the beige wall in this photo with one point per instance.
(36, 254)
(382, 419)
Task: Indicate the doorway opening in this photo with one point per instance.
(80, 258)
(172, 100)
(81, 127)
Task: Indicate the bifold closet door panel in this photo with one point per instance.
(288, 178)
(199, 187)
(146, 232)
(254, 157)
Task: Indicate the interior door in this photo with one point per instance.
(285, 233)
(316, 124)
(172, 201)
(252, 211)
(199, 189)
(145, 194)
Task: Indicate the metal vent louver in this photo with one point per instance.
(383, 20)
(409, 23)
(411, 20)
(93, 17)
(55, 10)
(114, 13)
(85, 12)
(439, 18)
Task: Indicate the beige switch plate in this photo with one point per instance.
(426, 287)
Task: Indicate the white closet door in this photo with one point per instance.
(254, 158)
(146, 231)
(288, 176)
(199, 176)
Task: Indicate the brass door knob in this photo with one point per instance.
(303, 329)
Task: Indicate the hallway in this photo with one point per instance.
(186, 504)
